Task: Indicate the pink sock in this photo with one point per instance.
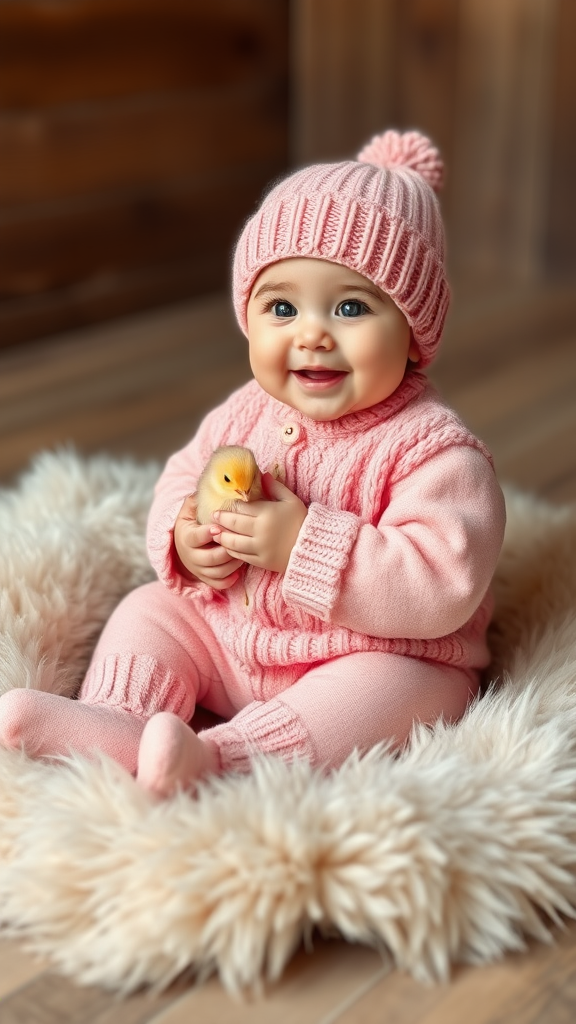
(172, 756)
(45, 724)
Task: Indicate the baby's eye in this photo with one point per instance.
(351, 308)
(284, 309)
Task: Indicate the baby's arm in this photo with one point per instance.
(177, 545)
(423, 570)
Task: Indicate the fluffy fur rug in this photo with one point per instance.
(456, 851)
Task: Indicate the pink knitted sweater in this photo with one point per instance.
(405, 522)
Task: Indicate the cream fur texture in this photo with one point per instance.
(456, 851)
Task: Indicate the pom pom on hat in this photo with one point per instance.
(406, 149)
(377, 215)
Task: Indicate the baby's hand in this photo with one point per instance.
(199, 557)
(263, 533)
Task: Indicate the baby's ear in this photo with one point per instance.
(413, 351)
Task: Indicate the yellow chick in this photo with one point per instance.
(231, 475)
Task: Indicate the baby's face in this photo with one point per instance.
(325, 340)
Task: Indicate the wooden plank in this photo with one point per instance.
(516, 391)
(195, 382)
(133, 143)
(394, 999)
(106, 296)
(64, 243)
(51, 999)
(121, 112)
(314, 988)
(18, 967)
(186, 335)
(539, 453)
(517, 387)
(145, 382)
(506, 56)
(132, 343)
(528, 988)
(48, 999)
(110, 427)
(66, 51)
(426, 73)
(560, 242)
(95, 425)
(483, 325)
(342, 75)
(563, 490)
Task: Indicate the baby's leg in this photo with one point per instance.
(353, 701)
(152, 656)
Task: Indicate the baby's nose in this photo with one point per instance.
(313, 333)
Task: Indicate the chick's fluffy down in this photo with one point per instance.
(230, 476)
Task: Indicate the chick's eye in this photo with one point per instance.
(284, 309)
(352, 308)
(227, 478)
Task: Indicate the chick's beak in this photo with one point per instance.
(244, 495)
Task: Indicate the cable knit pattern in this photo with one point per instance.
(346, 472)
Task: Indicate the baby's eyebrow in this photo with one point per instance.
(273, 286)
(355, 289)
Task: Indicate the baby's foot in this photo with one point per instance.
(172, 756)
(48, 725)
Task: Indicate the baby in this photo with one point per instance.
(352, 600)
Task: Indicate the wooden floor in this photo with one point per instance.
(139, 387)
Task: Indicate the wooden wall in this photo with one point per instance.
(492, 81)
(135, 135)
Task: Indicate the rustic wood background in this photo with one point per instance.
(494, 84)
(135, 135)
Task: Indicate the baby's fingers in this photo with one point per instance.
(188, 508)
(220, 577)
(198, 536)
(213, 555)
(221, 572)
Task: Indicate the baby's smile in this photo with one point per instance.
(318, 379)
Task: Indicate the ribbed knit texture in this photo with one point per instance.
(136, 683)
(260, 728)
(343, 470)
(380, 219)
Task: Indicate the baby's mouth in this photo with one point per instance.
(320, 374)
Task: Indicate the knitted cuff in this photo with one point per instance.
(321, 553)
(138, 684)
(268, 727)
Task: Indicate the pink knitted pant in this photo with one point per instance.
(156, 653)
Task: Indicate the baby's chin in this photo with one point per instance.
(319, 414)
(320, 408)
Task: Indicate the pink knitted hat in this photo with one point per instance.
(377, 215)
